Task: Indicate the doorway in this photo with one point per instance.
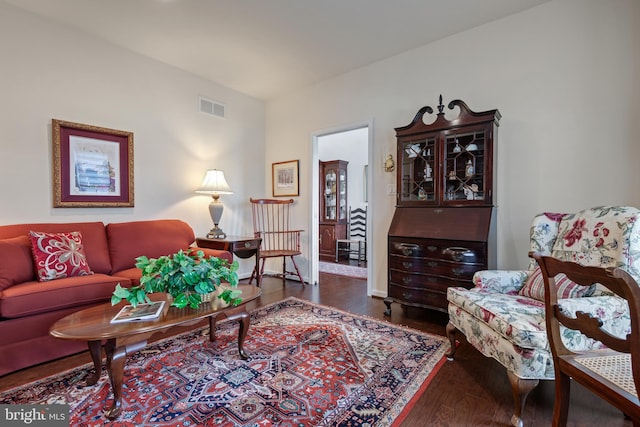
(350, 144)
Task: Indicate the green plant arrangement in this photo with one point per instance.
(186, 277)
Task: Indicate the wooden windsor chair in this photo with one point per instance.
(613, 373)
(357, 236)
(272, 223)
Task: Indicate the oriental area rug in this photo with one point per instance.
(343, 270)
(309, 365)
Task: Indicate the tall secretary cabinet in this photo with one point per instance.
(443, 228)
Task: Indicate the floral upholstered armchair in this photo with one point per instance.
(503, 315)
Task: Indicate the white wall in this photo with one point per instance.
(50, 71)
(564, 75)
(351, 146)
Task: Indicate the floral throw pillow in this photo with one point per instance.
(534, 287)
(58, 255)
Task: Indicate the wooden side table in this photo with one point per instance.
(242, 247)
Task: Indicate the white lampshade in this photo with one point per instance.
(214, 183)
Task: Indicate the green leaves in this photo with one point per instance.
(183, 275)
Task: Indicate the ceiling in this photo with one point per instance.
(266, 48)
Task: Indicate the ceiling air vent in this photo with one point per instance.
(211, 108)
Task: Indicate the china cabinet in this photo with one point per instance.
(442, 230)
(333, 206)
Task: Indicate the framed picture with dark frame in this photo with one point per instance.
(284, 178)
(92, 166)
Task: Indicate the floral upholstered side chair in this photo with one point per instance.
(503, 315)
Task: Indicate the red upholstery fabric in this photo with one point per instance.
(129, 240)
(16, 262)
(28, 308)
(214, 252)
(31, 298)
(25, 341)
(58, 255)
(93, 235)
(133, 274)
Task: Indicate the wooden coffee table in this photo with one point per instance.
(93, 325)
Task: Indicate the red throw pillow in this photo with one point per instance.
(534, 287)
(58, 255)
(16, 261)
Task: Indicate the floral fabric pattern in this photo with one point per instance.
(510, 327)
(505, 282)
(543, 233)
(605, 236)
(58, 255)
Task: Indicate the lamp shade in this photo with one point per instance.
(214, 183)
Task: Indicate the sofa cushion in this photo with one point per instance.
(520, 319)
(133, 274)
(16, 262)
(30, 298)
(129, 240)
(517, 318)
(93, 235)
(534, 287)
(58, 255)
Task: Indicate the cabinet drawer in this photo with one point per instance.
(246, 245)
(411, 296)
(463, 252)
(450, 269)
(425, 281)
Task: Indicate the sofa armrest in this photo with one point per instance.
(500, 281)
(212, 252)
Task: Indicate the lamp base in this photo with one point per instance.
(215, 209)
(216, 233)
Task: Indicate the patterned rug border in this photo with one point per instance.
(395, 415)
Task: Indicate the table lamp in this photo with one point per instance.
(215, 184)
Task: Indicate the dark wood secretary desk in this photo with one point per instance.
(443, 228)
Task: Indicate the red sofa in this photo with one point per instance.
(28, 307)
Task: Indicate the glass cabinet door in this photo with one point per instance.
(342, 195)
(418, 170)
(330, 195)
(465, 166)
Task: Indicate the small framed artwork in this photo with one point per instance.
(92, 166)
(284, 178)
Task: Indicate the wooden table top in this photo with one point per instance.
(94, 323)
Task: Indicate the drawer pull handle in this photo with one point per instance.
(406, 295)
(407, 248)
(406, 279)
(407, 264)
(458, 254)
(432, 264)
(247, 244)
(432, 248)
(458, 271)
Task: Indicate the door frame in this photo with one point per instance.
(314, 244)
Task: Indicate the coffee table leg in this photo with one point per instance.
(94, 349)
(245, 318)
(116, 358)
(212, 328)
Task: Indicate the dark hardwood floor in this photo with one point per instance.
(472, 390)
